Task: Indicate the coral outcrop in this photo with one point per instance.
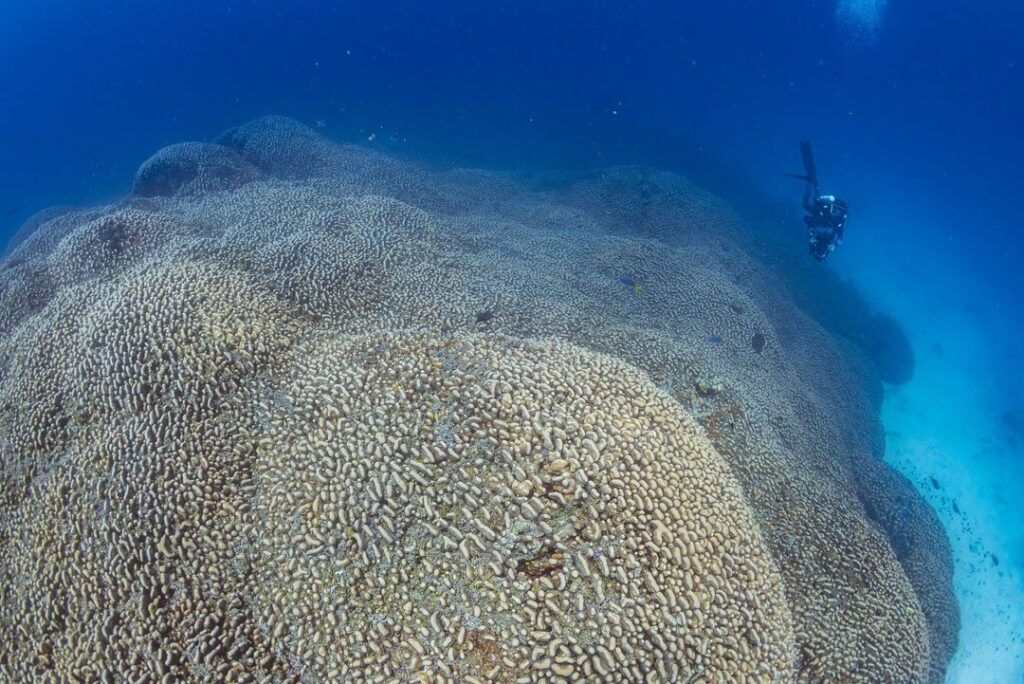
(192, 169)
(297, 411)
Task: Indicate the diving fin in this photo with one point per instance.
(809, 168)
(810, 174)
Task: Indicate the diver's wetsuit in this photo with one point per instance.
(826, 221)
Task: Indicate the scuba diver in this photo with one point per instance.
(826, 215)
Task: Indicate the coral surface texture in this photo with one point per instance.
(294, 411)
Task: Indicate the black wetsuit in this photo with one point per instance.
(826, 221)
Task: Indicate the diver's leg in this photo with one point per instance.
(809, 197)
(809, 166)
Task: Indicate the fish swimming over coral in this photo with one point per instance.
(635, 285)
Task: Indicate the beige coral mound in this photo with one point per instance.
(528, 507)
(192, 169)
(481, 508)
(124, 439)
(309, 413)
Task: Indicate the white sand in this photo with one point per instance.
(946, 424)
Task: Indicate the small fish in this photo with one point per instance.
(13, 210)
(1014, 420)
(956, 509)
(320, 123)
(631, 283)
(715, 339)
(935, 483)
(511, 252)
(484, 316)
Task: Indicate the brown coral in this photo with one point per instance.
(243, 437)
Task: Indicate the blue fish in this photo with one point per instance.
(627, 281)
(715, 339)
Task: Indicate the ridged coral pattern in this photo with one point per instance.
(296, 411)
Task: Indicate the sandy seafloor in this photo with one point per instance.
(946, 424)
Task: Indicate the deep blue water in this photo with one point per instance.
(915, 124)
(920, 122)
(914, 109)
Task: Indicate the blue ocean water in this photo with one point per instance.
(914, 110)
